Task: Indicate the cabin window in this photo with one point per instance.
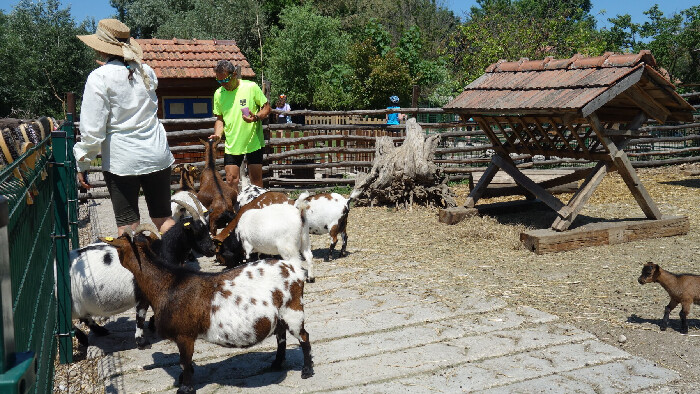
(187, 107)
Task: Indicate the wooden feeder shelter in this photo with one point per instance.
(578, 108)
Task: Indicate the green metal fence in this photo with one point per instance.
(36, 206)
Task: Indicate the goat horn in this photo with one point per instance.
(200, 207)
(188, 208)
(147, 227)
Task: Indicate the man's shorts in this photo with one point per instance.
(255, 157)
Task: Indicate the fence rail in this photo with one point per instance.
(331, 147)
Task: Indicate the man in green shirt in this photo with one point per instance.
(239, 106)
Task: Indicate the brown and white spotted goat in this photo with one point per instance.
(683, 289)
(234, 308)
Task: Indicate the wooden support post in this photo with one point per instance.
(582, 196)
(626, 171)
(481, 186)
(522, 180)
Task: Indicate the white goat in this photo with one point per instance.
(328, 214)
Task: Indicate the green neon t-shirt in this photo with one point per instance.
(241, 137)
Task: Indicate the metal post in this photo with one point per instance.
(72, 173)
(8, 325)
(266, 134)
(62, 183)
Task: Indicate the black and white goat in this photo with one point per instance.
(100, 286)
(234, 308)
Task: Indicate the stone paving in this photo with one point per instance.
(366, 338)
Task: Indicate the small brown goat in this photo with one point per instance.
(217, 195)
(188, 174)
(234, 308)
(683, 289)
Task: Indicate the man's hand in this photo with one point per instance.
(215, 137)
(251, 118)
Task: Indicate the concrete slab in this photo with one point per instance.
(367, 336)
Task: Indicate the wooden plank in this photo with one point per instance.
(606, 233)
(612, 92)
(528, 184)
(481, 186)
(647, 104)
(627, 172)
(579, 199)
(456, 214)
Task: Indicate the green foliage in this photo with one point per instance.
(302, 52)
(503, 29)
(674, 41)
(41, 59)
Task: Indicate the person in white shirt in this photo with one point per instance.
(119, 119)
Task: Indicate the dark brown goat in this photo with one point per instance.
(219, 307)
(217, 195)
(683, 289)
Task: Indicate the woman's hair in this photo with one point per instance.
(224, 66)
(278, 103)
(125, 63)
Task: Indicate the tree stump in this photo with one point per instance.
(405, 175)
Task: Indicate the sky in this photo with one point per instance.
(99, 9)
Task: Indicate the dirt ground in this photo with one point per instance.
(592, 288)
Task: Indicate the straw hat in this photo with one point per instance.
(114, 38)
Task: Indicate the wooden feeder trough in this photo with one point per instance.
(579, 108)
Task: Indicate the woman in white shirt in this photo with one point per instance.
(119, 118)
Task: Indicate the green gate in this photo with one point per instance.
(38, 223)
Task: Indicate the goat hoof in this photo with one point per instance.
(186, 390)
(310, 280)
(684, 331)
(307, 372)
(143, 343)
(99, 330)
(277, 365)
(663, 328)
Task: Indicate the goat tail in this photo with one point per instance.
(302, 199)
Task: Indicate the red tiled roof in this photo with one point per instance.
(178, 58)
(575, 84)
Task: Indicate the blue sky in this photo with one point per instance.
(99, 9)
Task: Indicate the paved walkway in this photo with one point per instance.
(367, 338)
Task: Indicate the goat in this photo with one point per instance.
(100, 287)
(276, 229)
(217, 195)
(234, 308)
(260, 201)
(187, 176)
(328, 214)
(248, 193)
(185, 198)
(683, 289)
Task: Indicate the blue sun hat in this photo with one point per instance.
(394, 99)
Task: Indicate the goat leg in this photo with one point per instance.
(685, 310)
(343, 249)
(331, 249)
(281, 333)
(307, 370)
(186, 348)
(141, 309)
(667, 313)
(80, 336)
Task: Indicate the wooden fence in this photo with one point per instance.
(331, 147)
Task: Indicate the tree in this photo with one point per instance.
(304, 51)
(504, 29)
(41, 59)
